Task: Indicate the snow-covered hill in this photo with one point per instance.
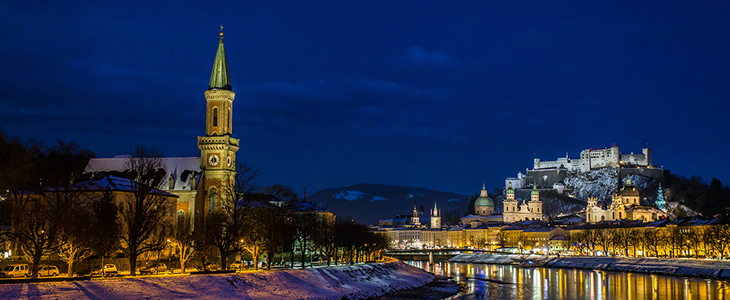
(369, 203)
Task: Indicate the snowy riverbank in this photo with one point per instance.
(719, 269)
(352, 282)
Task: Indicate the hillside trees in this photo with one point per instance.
(707, 199)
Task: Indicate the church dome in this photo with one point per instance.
(510, 190)
(484, 199)
(629, 190)
(534, 190)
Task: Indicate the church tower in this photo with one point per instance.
(535, 204)
(415, 219)
(510, 204)
(217, 147)
(435, 217)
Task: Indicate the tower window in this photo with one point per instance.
(212, 200)
(229, 120)
(215, 116)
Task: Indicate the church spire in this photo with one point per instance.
(219, 79)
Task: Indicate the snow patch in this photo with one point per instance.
(349, 195)
(378, 198)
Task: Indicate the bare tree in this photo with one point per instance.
(182, 241)
(273, 216)
(253, 243)
(502, 239)
(621, 238)
(147, 211)
(26, 211)
(226, 228)
(324, 239)
(70, 211)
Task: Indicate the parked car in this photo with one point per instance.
(236, 265)
(106, 270)
(153, 268)
(48, 271)
(12, 271)
(211, 266)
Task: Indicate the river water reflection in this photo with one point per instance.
(485, 281)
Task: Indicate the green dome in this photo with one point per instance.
(484, 201)
(510, 190)
(534, 191)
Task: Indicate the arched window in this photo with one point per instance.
(212, 200)
(180, 217)
(229, 120)
(215, 116)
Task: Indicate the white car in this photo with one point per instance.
(107, 270)
(48, 271)
(12, 271)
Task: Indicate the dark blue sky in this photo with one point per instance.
(442, 95)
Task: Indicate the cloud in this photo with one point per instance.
(417, 55)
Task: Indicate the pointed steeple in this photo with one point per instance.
(219, 79)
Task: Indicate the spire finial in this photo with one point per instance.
(221, 31)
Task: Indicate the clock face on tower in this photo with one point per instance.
(213, 160)
(230, 161)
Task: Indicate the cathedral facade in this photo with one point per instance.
(529, 210)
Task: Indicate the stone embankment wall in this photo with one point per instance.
(680, 267)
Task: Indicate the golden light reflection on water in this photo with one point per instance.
(514, 282)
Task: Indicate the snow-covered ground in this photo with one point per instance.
(352, 282)
(681, 267)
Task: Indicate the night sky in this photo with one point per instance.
(442, 95)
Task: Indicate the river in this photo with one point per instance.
(483, 281)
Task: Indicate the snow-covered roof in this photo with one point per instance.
(307, 206)
(109, 182)
(182, 169)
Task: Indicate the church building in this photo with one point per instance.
(624, 206)
(483, 210)
(202, 183)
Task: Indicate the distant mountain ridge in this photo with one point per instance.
(369, 203)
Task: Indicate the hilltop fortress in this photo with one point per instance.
(591, 159)
(550, 174)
